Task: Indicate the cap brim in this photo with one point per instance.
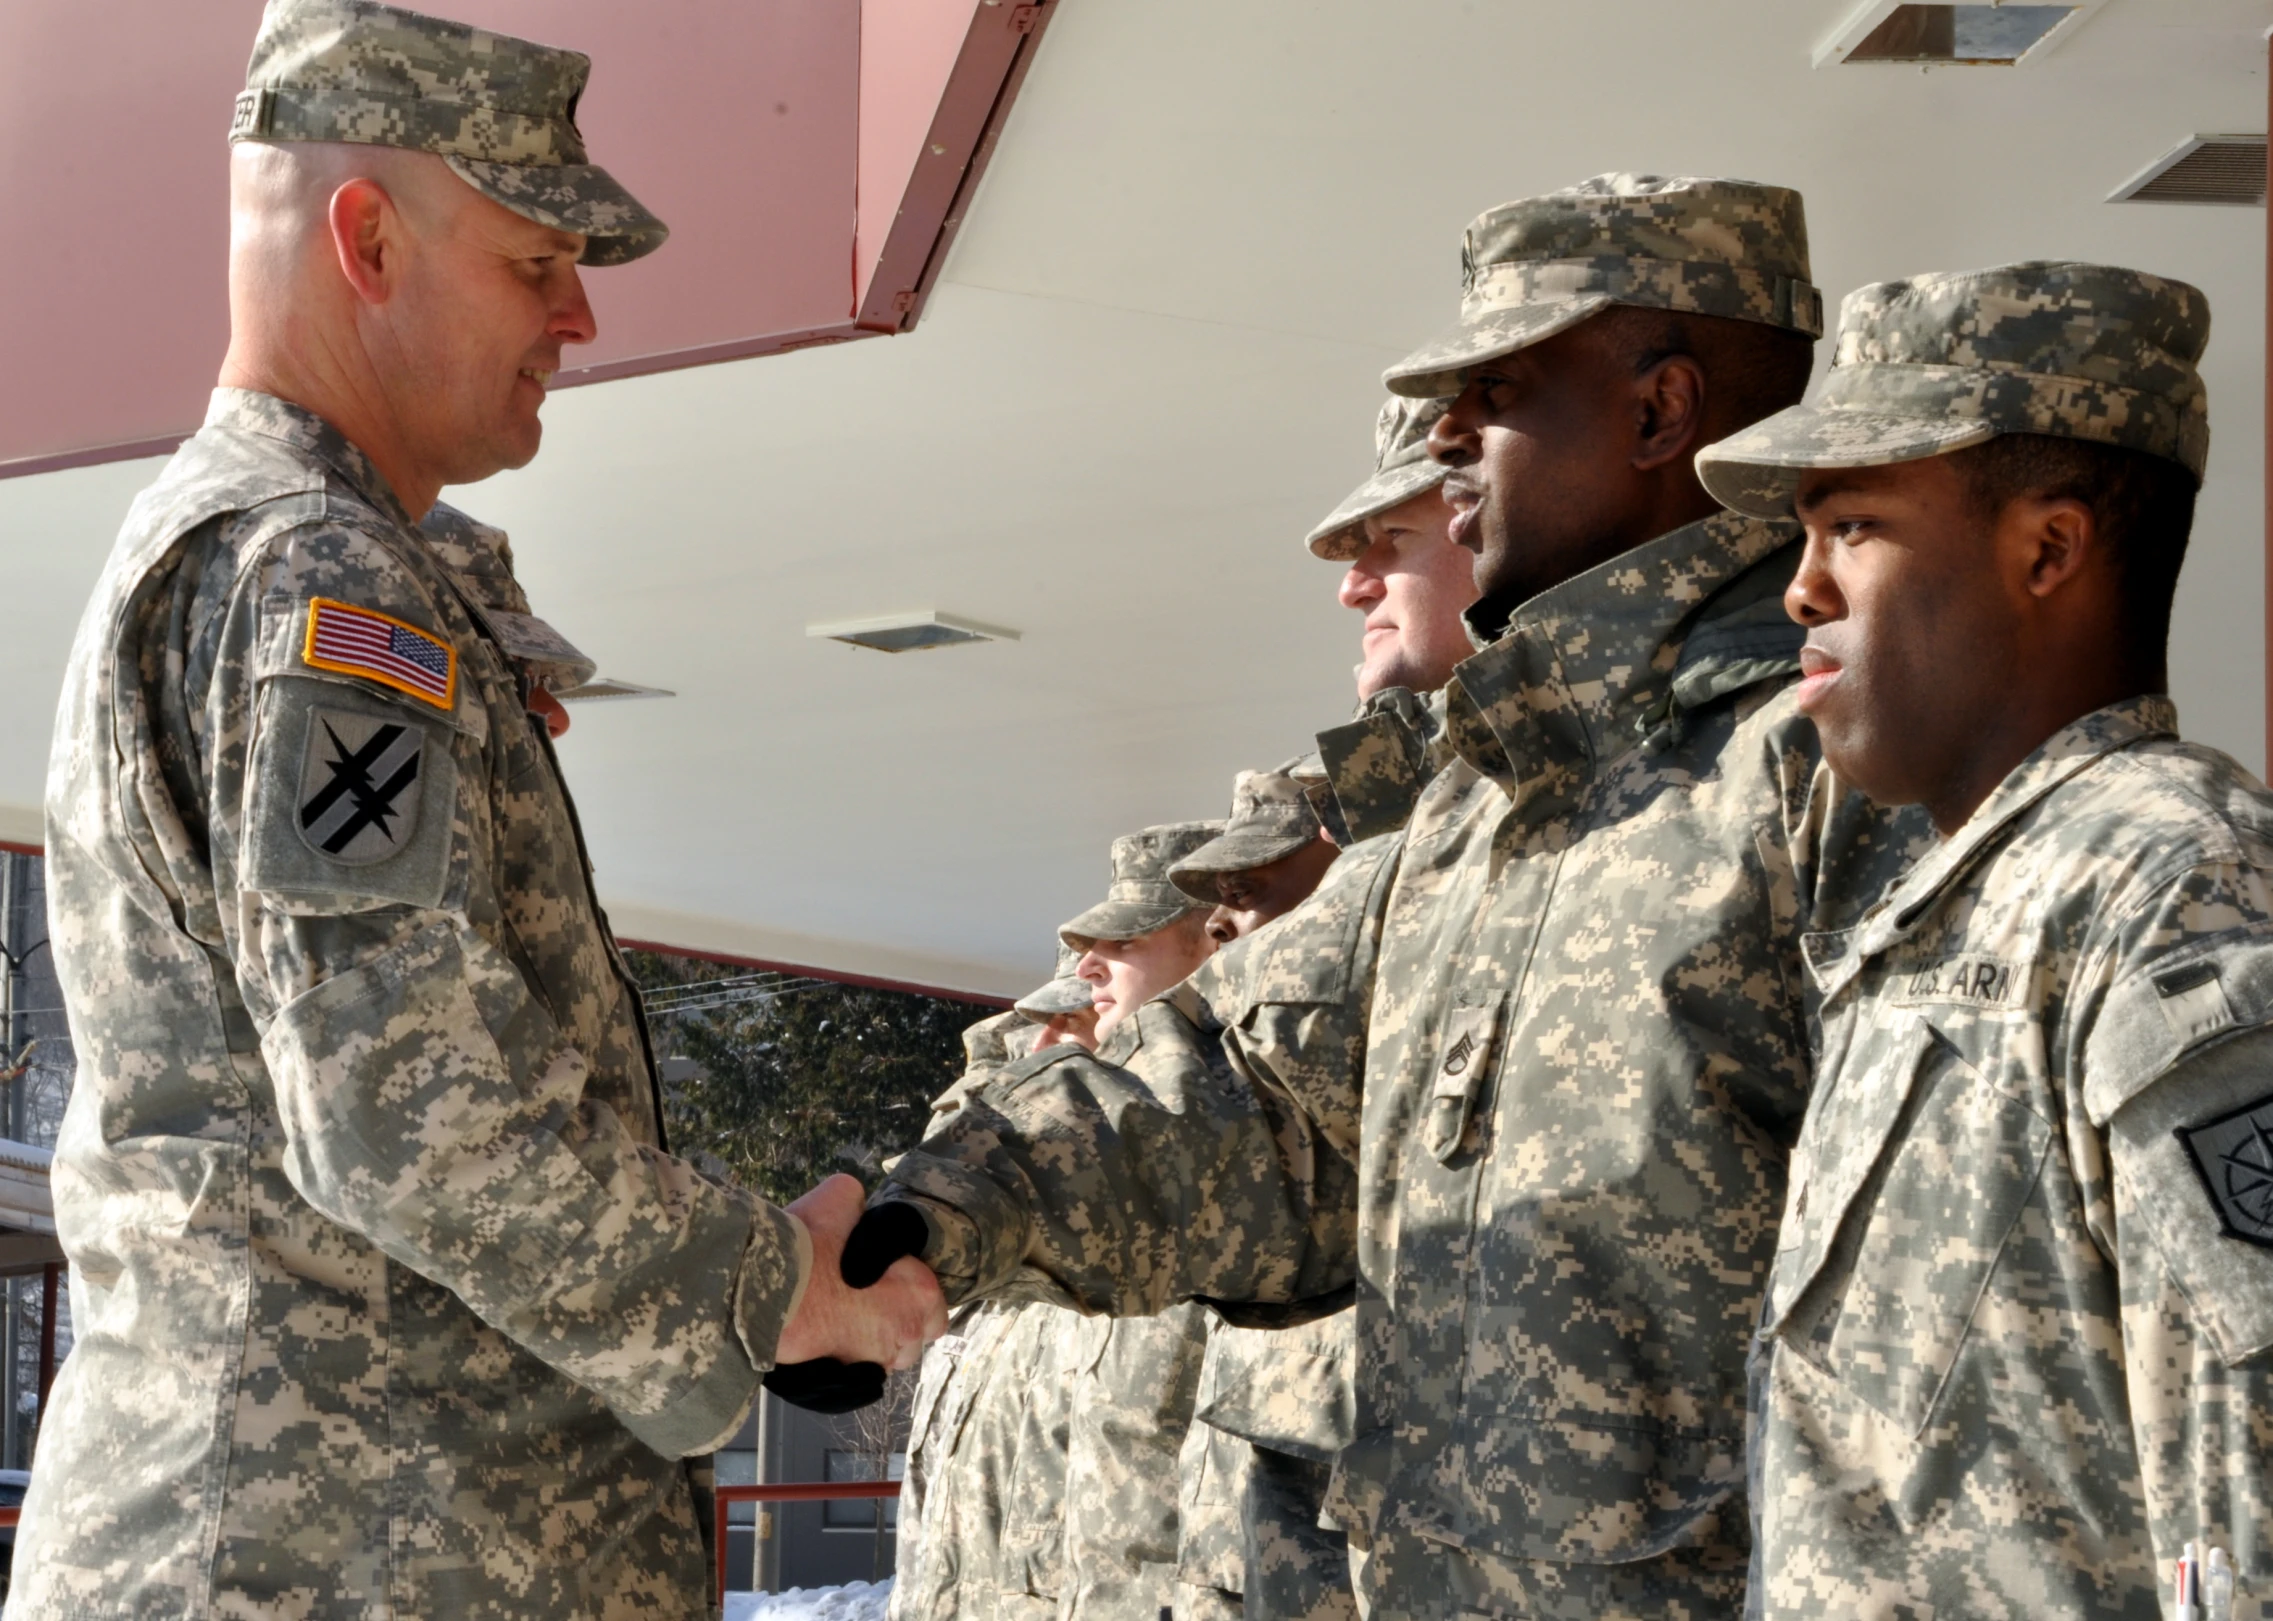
(1440, 365)
(1757, 471)
(1058, 996)
(1342, 536)
(1196, 874)
(1121, 920)
(579, 197)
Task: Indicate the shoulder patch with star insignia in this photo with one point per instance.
(2233, 1154)
(359, 788)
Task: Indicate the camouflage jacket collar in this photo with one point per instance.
(1377, 764)
(1587, 669)
(1835, 959)
(242, 410)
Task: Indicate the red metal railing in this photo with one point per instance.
(794, 1491)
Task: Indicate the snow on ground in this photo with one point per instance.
(855, 1601)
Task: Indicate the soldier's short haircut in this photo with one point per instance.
(1751, 370)
(2142, 508)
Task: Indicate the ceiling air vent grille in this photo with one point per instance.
(2202, 169)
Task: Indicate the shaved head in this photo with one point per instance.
(422, 319)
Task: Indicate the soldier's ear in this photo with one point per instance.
(367, 238)
(2056, 538)
(1669, 405)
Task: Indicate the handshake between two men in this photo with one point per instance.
(869, 1304)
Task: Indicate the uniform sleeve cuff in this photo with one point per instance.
(977, 1236)
(776, 1269)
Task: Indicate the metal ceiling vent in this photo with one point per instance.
(2202, 169)
(1990, 34)
(911, 632)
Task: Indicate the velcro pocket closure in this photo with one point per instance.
(1292, 1390)
(2204, 991)
(1846, 1132)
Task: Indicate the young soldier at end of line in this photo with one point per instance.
(2014, 1360)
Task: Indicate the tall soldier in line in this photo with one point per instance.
(1553, 1164)
(1276, 1405)
(388, 1300)
(2018, 1330)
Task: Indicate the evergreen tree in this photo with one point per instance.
(804, 1078)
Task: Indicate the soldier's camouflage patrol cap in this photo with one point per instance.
(500, 111)
(1935, 363)
(1533, 268)
(1271, 818)
(1141, 898)
(1065, 993)
(1401, 470)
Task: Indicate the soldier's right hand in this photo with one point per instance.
(887, 1323)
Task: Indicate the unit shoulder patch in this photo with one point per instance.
(348, 640)
(2233, 1154)
(359, 788)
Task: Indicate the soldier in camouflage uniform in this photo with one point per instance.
(1133, 1381)
(1062, 1009)
(1405, 575)
(979, 1516)
(1254, 1465)
(388, 1299)
(1277, 1405)
(2017, 1333)
(1550, 1154)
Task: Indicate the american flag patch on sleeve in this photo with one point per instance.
(357, 641)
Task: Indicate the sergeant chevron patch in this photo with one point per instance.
(359, 786)
(361, 641)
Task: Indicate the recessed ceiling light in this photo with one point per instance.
(2202, 169)
(911, 632)
(1983, 35)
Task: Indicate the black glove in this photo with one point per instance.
(883, 1234)
(826, 1385)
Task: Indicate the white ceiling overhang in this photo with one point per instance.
(1149, 366)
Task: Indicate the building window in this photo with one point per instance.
(858, 1513)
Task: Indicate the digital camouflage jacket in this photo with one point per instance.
(1583, 1058)
(982, 1510)
(387, 1299)
(2022, 1309)
(1276, 1406)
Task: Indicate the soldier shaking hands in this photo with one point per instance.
(389, 1301)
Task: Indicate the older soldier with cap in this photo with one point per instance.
(1554, 1162)
(2018, 1331)
(388, 1300)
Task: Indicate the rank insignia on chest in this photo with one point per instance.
(364, 642)
(2233, 1155)
(359, 793)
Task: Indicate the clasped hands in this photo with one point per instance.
(869, 1303)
